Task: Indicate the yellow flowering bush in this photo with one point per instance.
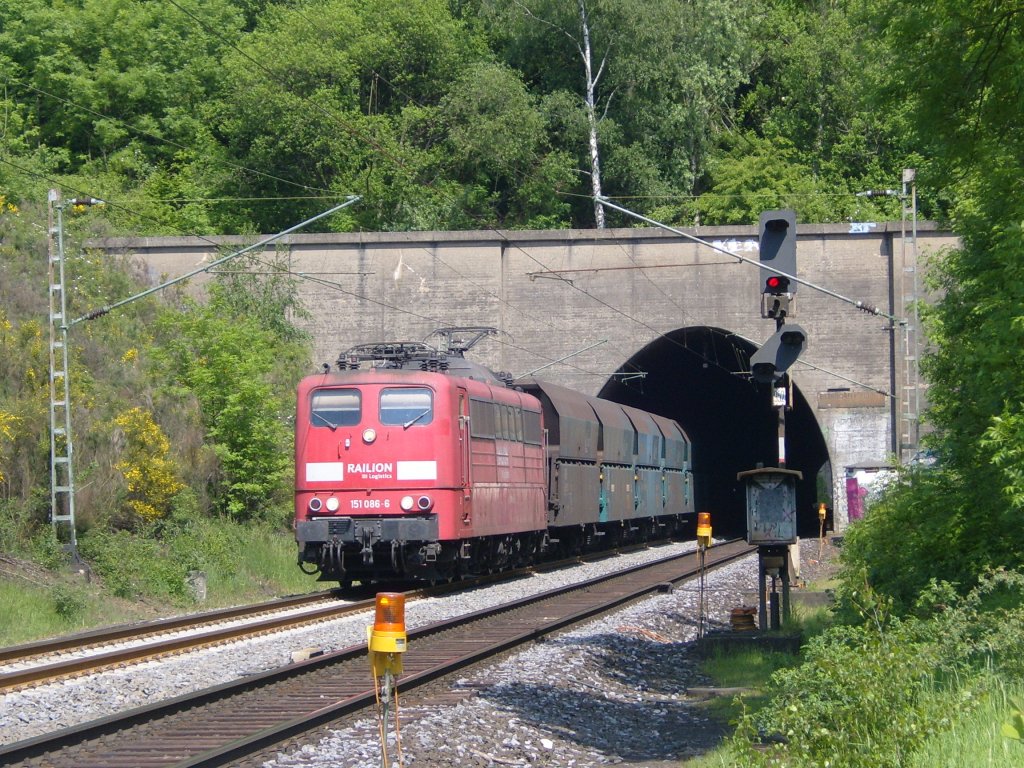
(7, 423)
(6, 207)
(151, 476)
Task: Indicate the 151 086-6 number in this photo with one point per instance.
(370, 504)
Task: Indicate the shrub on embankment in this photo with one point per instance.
(144, 574)
(875, 693)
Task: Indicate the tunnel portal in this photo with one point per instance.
(699, 377)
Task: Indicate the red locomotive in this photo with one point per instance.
(426, 465)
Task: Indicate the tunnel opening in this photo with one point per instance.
(699, 376)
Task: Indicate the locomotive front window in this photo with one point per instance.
(335, 408)
(406, 406)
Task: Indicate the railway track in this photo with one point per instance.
(41, 662)
(226, 723)
(46, 661)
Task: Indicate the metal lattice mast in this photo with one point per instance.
(62, 481)
(911, 411)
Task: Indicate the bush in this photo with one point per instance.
(154, 561)
(871, 695)
(47, 550)
(132, 565)
(68, 603)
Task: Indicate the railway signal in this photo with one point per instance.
(776, 234)
(778, 353)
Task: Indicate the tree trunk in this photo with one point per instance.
(595, 155)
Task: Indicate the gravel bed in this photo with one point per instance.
(612, 692)
(48, 708)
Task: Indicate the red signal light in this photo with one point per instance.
(776, 284)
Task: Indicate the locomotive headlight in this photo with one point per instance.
(369, 435)
(333, 504)
(315, 504)
(406, 503)
(424, 503)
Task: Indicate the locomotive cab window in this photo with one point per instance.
(335, 408)
(406, 406)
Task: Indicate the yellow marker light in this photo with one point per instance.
(390, 614)
(387, 635)
(386, 641)
(704, 528)
(821, 512)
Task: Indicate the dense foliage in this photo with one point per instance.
(870, 694)
(180, 407)
(233, 115)
(962, 82)
(933, 586)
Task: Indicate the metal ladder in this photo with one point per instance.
(62, 482)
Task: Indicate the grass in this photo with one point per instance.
(745, 668)
(132, 582)
(974, 739)
(33, 611)
(750, 668)
(267, 570)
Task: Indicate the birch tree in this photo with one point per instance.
(586, 32)
(656, 81)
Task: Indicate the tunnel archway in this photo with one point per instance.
(699, 376)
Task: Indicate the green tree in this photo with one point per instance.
(498, 139)
(652, 90)
(239, 360)
(813, 97)
(348, 106)
(961, 74)
(115, 94)
(759, 174)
